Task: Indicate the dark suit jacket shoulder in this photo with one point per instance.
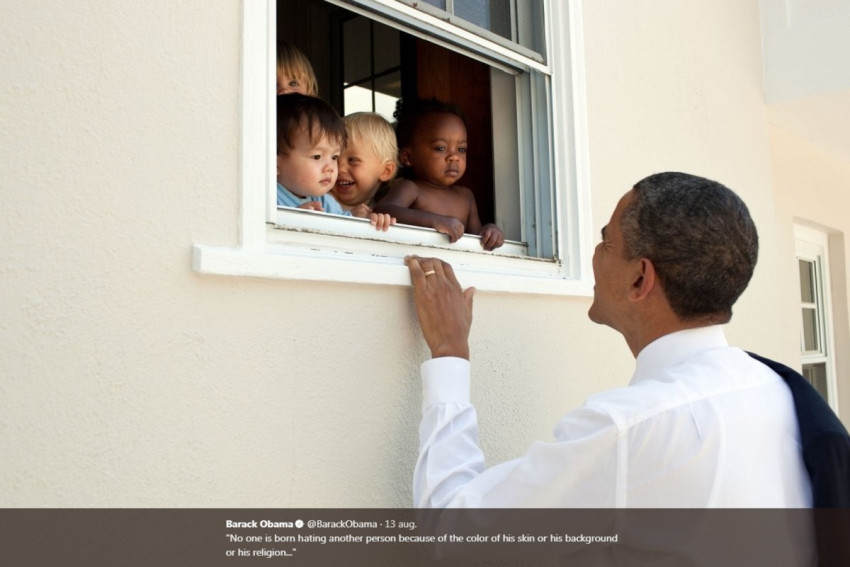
(825, 442)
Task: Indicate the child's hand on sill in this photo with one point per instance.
(312, 206)
(381, 221)
(449, 226)
(491, 236)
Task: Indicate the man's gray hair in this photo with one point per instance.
(699, 236)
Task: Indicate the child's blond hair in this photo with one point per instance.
(374, 128)
(291, 61)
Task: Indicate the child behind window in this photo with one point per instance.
(368, 162)
(432, 141)
(294, 72)
(310, 138)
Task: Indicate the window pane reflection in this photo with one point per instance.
(493, 15)
(807, 281)
(371, 67)
(387, 50)
(816, 375)
(810, 330)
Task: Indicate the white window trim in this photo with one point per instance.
(812, 245)
(268, 252)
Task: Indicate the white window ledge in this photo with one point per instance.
(315, 251)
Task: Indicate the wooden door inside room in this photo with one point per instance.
(452, 77)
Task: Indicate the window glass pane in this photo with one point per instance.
(493, 15)
(807, 281)
(387, 92)
(816, 375)
(441, 4)
(386, 48)
(357, 99)
(356, 61)
(371, 66)
(474, 11)
(500, 18)
(811, 340)
(530, 28)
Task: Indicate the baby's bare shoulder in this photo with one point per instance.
(405, 187)
(464, 192)
(404, 184)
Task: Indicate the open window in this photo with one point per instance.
(511, 65)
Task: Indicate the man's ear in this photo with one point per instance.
(387, 171)
(645, 280)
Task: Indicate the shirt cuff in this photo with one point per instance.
(445, 380)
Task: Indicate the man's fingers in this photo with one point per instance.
(468, 294)
(423, 268)
(413, 264)
(449, 273)
(440, 268)
(444, 310)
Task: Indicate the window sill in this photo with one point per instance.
(359, 230)
(301, 247)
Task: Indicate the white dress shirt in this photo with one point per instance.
(700, 425)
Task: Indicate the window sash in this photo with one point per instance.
(478, 44)
(811, 305)
(521, 23)
(812, 341)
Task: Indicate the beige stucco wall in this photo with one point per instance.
(813, 189)
(127, 379)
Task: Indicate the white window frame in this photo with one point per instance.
(364, 255)
(812, 245)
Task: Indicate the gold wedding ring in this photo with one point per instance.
(430, 273)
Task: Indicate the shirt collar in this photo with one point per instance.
(669, 350)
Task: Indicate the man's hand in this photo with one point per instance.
(443, 308)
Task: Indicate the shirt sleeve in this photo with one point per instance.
(449, 455)
(578, 469)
